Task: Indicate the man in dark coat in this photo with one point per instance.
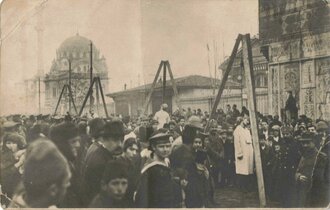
(110, 145)
(284, 168)
(311, 179)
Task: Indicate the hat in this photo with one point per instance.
(276, 127)
(164, 106)
(321, 125)
(113, 129)
(115, 169)
(96, 127)
(10, 124)
(195, 122)
(172, 122)
(159, 138)
(154, 122)
(63, 132)
(286, 129)
(221, 131)
(306, 137)
(44, 165)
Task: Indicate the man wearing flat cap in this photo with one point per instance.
(109, 146)
(157, 188)
(311, 176)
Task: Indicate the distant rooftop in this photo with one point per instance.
(192, 81)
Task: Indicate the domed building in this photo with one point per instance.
(76, 50)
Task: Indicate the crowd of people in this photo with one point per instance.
(161, 160)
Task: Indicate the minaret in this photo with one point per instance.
(40, 71)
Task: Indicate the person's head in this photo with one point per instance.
(95, 127)
(193, 125)
(182, 121)
(13, 142)
(276, 118)
(160, 145)
(228, 107)
(307, 143)
(264, 125)
(66, 137)
(46, 174)
(243, 121)
(112, 136)
(154, 124)
(131, 148)
(223, 134)
(234, 106)
(312, 129)
(198, 142)
(276, 130)
(172, 125)
(287, 131)
(164, 107)
(114, 181)
(322, 127)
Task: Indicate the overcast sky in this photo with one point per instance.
(133, 36)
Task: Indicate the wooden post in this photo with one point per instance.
(89, 93)
(152, 87)
(59, 99)
(74, 105)
(175, 89)
(164, 82)
(249, 76)
(224, 78)
(102, 95)
(91, 77)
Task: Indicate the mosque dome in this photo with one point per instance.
(75, 43)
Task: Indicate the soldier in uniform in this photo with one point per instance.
(311, 178)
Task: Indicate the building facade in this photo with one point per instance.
(295, 37)
(76, 50)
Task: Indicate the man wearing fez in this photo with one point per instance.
(46, 177)
(110, 145)
(311, 175)
(157, 188)
(243, 152)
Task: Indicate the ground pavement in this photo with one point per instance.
(232, 197)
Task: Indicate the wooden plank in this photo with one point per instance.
(249, 75)
(175, 89)
(152, 87)
(225, 77)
